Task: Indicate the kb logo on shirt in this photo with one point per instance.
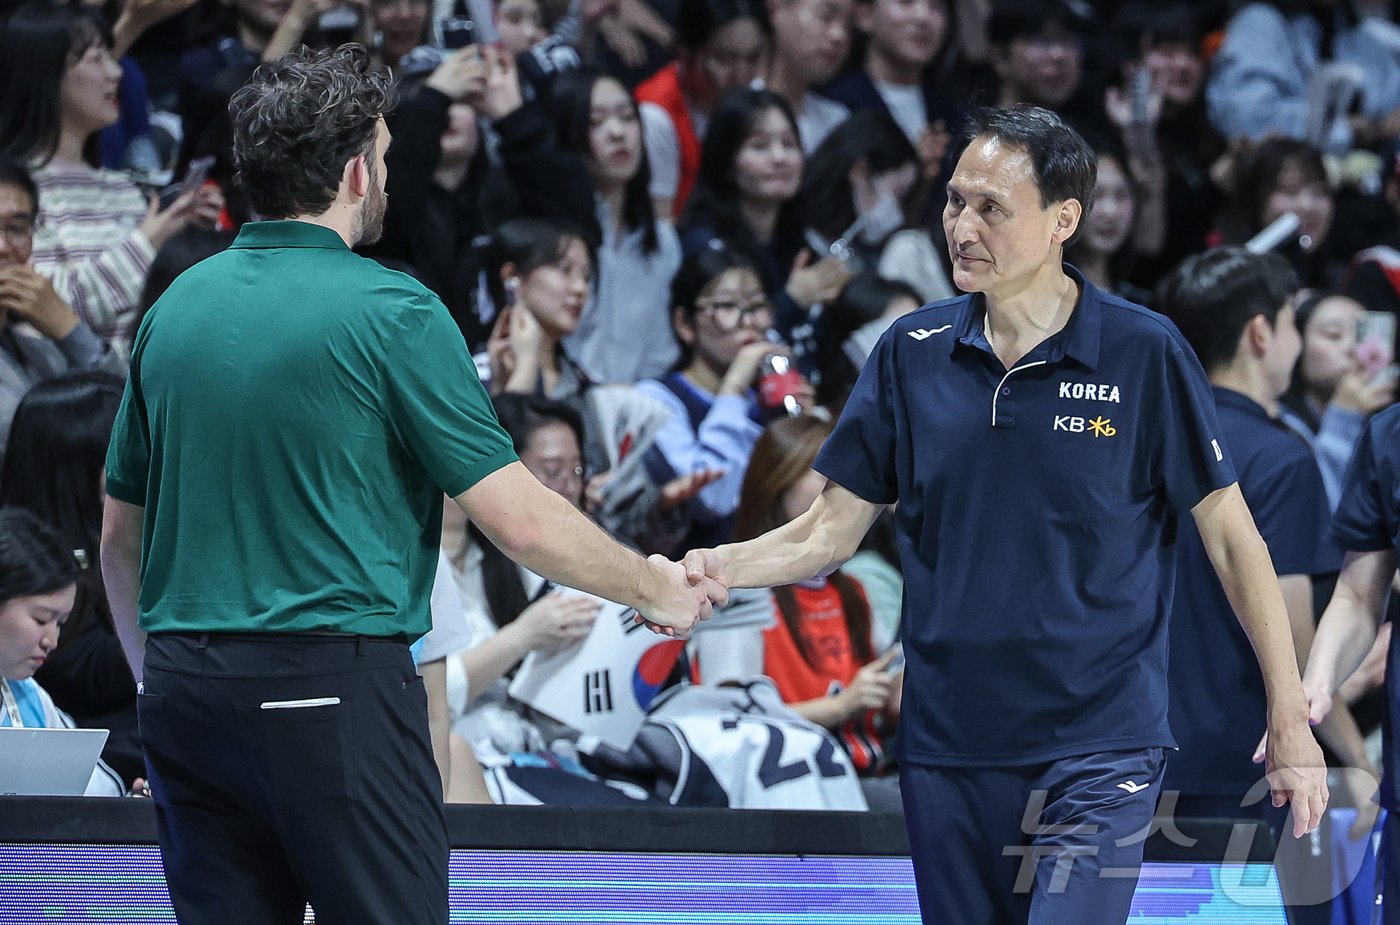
(1073, 424)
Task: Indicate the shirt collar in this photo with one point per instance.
(288, 234)
(1079, 339)
(1239, 401)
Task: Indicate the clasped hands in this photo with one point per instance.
(691, 589)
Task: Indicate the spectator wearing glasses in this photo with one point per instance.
(54, 339)
(510, 610)
(720, 315)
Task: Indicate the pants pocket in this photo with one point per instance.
(304, 753)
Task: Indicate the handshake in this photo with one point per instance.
(681, 594)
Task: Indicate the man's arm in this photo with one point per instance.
(121, 575)
(1348, 627)
(540, 530)
(1294, 762)
(816, 543)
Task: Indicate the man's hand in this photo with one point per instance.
(687, 599)
(707, 563)
(31, 297)
(1297, 774)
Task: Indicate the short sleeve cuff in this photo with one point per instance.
(125, 491)
(480, 470)
(862, 488)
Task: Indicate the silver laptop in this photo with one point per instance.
(48, 762)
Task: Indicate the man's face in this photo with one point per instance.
(999, 234)
(369, 223)
(16, 226)
(1284, 348)
(812, 36)
(908, 31)
(1044, 69)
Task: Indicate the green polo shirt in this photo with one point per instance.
(294, 414)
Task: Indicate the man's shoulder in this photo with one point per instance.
(1385, 429)
(1128, 323)
(938, 317)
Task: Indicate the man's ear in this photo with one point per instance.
(1258, 333)
(356, 176)
(1067, 219)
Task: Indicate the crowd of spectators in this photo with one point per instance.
(696, 216)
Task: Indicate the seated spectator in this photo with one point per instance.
(1331, 393)
(902, 38)
(721, 47)
(510, 610)
(745, 198)
(721, 315)
(1103, 251)
(37, 588)
(1260, 81)
(58, 447)
(520, 25)
(59, 85)
(820, 652)
(1277, 177)
(1037, 50)
(252, 31)
(401, 25)
(63, 341)
(810, 42)
(1166, 41)
(850, 328)
(861, 186)
(539, 274)
(446, 195)
(625, 332)
(1374, 278)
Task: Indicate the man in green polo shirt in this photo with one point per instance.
(294, 415)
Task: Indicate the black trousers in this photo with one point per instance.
(289, 769)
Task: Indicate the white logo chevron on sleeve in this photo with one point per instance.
(925, 333)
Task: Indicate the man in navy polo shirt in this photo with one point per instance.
(1235, 310)
(1367, 528)
(1040, 437)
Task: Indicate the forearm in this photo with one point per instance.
(289, 34)
(439, 716)
(799, 550)
(1343, 638)
(121, 575)
(1242, 561)
(488, 662)
(125, 33)
(541, 531)
(827, 712)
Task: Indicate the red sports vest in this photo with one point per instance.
(664, 89)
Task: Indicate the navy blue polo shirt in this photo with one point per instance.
(1218, 706)
(1036, 523)
(1368, 520)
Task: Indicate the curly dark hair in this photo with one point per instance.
(299, 120)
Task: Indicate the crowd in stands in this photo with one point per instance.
(685, 221)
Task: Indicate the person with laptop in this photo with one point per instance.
(38, 583)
